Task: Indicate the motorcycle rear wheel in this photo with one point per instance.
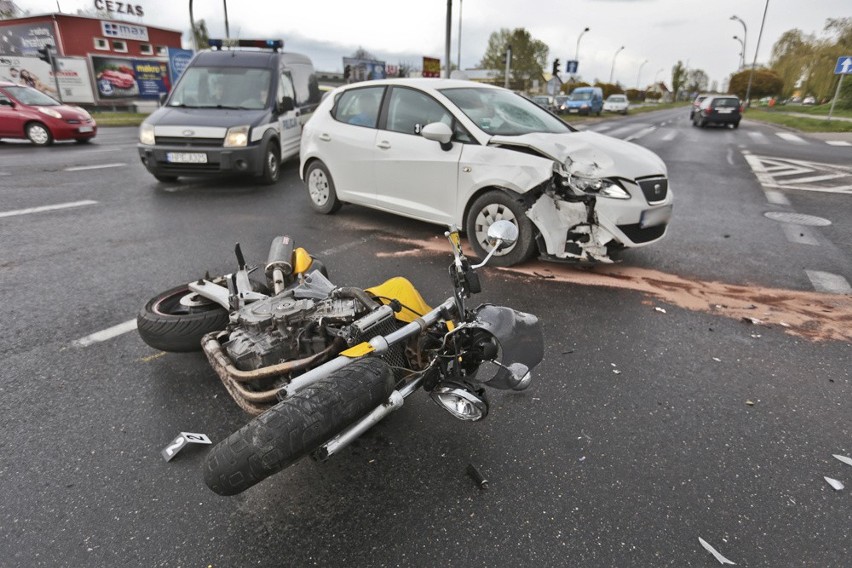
(297, 426)
(165, 324)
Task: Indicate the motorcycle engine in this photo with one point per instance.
(283, 328)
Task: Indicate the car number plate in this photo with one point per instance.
(726, 110)
(654, 217)
(573, 110)
(85, 129)
(186, 157)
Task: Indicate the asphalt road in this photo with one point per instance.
(644, 431)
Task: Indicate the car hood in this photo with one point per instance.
(614, 157)
(68, 112)
(225, 118)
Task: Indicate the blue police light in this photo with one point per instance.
(274, 44)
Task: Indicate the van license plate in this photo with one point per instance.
(654, 217)
(186, 157)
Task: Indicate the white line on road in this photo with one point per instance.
(776, 197)
(838, 143)
(828, 282)
(758, 137)
(108, 333)
(790, 137)
(731, 156)
(99, 167)
(47, 208)
(670, 135)
(601, 128)
(641, 133)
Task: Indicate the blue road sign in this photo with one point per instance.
(571, 66)
(844, 65)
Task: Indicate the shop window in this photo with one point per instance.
(146, 49)
(119, 45)
(162, 51)
(101, 44)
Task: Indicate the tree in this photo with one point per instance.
(202, 38)
(678, 78)
(362, 53)
(765, 83)
(529, 57)
(696, 81)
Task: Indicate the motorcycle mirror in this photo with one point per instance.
(502, 234)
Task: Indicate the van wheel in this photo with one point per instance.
(271, 164)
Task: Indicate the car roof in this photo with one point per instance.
(426, 84)
(8, 84)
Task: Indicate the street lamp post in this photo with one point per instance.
(577, 53)
(639, 74)
(460, 21)
(745, 34)
(742, 55)
(612, 69)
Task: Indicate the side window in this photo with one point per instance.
(359, 106)
(285, 88)
(409, 111)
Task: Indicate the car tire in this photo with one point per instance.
(165, 179)
(321, 192)
(39, 134)
(702, 123)
(737, 124)
(494, 206)
(271, 164)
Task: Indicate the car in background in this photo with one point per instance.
(543, 101)
(560, 104)
(616, 103)
(452, 152)
(719, 109)
(585, 100)
(30, 114)
(696, 103)
(809, 100)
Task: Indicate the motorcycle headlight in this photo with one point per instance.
(460, 402)
(49, 112)
(237, 137)
(146, 134)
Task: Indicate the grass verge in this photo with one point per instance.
(119, 118)
(816, 124)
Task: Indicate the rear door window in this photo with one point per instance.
(359, 106)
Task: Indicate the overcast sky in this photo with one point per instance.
(697, 32)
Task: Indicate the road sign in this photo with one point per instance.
(571, 66)
(844, 65)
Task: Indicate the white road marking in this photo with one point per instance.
(623, 130)
(838, 143)
(828, 282)
(601, 128)
(47, 208)
(730, 156)
(776, 197)
(670, 135)
(108, 333)
(790, 137)
(641, 133)
(98, 167)
(758, 137)
(782, 173)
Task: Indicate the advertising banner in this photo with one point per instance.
(75, 82)
(121, 30)
(152, 77)
(431, 67)
(25, 39)
(125, 78)
(178, 60)
(363, 69)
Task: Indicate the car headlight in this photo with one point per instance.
(49, 112)
(584, 177)
(146, 134)
(237, 137)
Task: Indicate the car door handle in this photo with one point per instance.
(384, 145)
(324, 137)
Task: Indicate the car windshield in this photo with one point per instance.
(222, 87)
(30, 96)
(501, 112)
(581, 96)
(726, 103)
(617, 98)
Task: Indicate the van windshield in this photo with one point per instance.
(222, 87)
(584, 96)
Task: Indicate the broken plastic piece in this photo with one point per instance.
(616, 371)
(715, 553)
(754, 321)
(750, 402)
(834, 483)
(661, 310)
(844, 459)
(477, 477)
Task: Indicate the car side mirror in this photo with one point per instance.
(438, 132)
(286, 105)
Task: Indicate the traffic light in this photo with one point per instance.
(555, 67)
(45, 53)
(347, 70)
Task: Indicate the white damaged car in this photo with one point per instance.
(456, 152)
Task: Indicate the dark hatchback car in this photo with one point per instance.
(724, 110)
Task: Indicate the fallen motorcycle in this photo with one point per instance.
(318, 365)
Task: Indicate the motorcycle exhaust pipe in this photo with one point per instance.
(279, 261)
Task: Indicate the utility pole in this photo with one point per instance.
(508, 64)
(449, 33)
(754, 61)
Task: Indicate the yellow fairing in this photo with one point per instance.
(404, 291)
(301, 260)
(358, 350)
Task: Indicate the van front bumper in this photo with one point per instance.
(188, 161)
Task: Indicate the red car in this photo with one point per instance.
(28, 113)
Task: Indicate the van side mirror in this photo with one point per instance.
(286, 105)
(163, 97)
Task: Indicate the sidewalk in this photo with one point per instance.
(814, 116)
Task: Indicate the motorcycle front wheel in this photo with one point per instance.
(170, 324)
(297, 426)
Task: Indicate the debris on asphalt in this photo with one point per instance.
(715, 553)
(477, 477)
(616, 371)
(661, 310)
(750, 402)
(784, 324)
(568, 352)
(753, 321)
(755, 336)
(844, 459)
(717, 359)
(834, 483)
